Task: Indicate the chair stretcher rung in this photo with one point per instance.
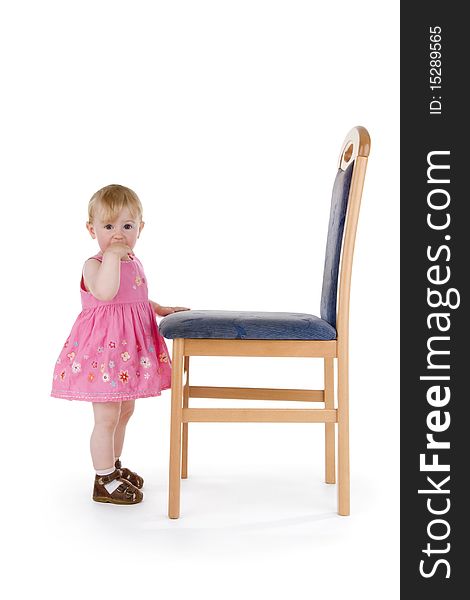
(259, 415)
(236, 393)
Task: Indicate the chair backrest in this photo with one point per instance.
(344, 213)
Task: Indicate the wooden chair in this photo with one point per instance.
(228, 333)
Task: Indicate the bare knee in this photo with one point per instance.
(106, 415)
(127, 408)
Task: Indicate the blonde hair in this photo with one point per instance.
(110, 200)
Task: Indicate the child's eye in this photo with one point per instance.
(108, 226)
(128, 226)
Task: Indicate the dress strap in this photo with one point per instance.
(83, 288)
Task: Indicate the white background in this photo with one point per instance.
(227, 119)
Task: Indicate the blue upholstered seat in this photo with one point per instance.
(246, 325)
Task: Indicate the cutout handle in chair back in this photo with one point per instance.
(356, 145)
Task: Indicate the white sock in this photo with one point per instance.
(112, 485)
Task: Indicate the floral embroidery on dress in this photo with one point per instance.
(125, 356)
(147, 375)
(100, 349)
(91, 377)
(145, 362)
(106, 377)
(71, 356)
(112, 364)
(94, 364)
(76, 367)
(162, 357)
(124, 376)
(112, 344)
(62, 375)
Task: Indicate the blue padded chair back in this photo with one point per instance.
(339, 205)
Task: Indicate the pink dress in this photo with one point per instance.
(114, 351)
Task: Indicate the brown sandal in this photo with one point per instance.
(126, 493)
(135, 479)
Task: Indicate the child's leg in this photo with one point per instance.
(127, 408)
(102, 438)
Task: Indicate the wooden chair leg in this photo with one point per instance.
(184, 460)
(175, 431)
(330, 466)
(343, 436)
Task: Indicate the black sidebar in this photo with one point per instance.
(435, 269)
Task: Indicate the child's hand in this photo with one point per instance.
(163, 311)
(120, 250)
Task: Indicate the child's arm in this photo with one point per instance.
(163, 311)
(102, 278)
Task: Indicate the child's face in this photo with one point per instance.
(125, 229)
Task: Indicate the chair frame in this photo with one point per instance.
(355, 148)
